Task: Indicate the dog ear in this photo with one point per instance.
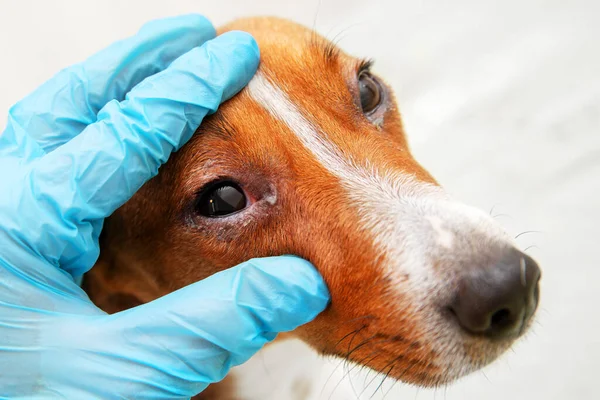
(122, 277)
(113, 293)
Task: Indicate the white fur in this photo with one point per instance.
(444, 236)
(412, 223)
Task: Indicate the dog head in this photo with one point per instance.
(311, 159)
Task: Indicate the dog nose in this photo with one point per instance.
(498, 300)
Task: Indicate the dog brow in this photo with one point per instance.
(327, 49)
(218, 125)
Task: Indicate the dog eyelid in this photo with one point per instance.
(364, 64)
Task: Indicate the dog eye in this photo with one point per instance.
(370, 92)
(221, 199)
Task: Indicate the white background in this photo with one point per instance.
(501, 101)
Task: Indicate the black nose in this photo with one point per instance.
(498, 300)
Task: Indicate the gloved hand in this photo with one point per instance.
(73, 152)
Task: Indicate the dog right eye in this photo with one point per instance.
(221, 199)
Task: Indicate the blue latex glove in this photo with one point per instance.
(74, 151)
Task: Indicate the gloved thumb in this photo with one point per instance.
(192, 337)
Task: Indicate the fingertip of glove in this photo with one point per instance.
(284, 266)
(295, 272)
(236, 53)
(243, 39)
(241, 45)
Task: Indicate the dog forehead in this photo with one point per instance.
(303, 68)
(303, 104)
(276, 36)
(296, 57)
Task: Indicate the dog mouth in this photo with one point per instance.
(393, 355)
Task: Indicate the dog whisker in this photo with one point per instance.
(370, 370)
(530, 247)
(314, 27)
(485, 376)
(358, 346)
(501, 215)
(346, 359)
(358, 363)
(362, 361)
(337, 384)
(391, 365)
(383, 380)
(333, 42)
(341, 363)
(390, 389)
(355, 332)
(526, 233)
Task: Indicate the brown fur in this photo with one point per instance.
(156, 244)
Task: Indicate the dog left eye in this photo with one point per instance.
(370, 92)
(221, 200)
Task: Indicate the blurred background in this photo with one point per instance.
(501, 103)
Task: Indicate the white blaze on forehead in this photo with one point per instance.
(408, 218)
(274, 100)
(386, 201)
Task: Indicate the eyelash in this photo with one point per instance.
(365, 65)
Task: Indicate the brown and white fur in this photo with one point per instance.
(328, 184)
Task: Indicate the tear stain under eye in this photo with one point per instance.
(271, 197)
(378, 122)
(224, 229)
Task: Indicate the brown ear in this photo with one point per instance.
(123, 277)
(114, 292)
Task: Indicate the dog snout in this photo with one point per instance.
(497, 300)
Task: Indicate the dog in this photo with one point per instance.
(311, 159)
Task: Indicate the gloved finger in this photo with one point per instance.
(96, 172)
(192, 337)
(62, 107)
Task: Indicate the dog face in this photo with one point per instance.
(311, 159)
